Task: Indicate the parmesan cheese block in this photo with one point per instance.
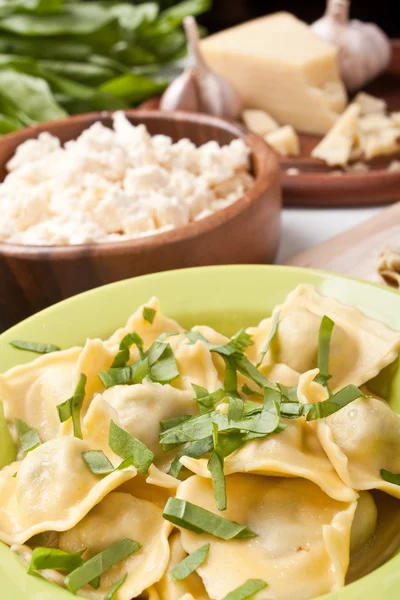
(336, 147)
(259, 121)
(279, 65)
(284, 141)
(369, 104)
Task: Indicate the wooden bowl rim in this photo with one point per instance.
(265, 163)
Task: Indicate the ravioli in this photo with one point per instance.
(52, 491)
(195, 365)
(31, 392)
(360, 347)
(134, 518)
(296, 559)
(296, 452)
(192, 586)
(149, 332)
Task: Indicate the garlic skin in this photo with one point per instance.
(198, 88)
(364, 49)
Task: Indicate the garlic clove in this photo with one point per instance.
(364, 49)
(198, 88)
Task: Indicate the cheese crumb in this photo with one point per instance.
(116, 184)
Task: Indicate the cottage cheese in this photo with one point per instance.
(115, 184)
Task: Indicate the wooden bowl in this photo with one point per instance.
(33, 277)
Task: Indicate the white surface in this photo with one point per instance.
(303, 228)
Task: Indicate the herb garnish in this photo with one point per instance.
(247, 590)
(206, 400)
(124, 349)
(320, 410)
(149, 314)
(390, 477)
(215, 466)
(271, 335)
(97, 462)
(128, 447)
(52, 558)
(112, 591)
(189, 516)
(37, 347)
(324, 340)
(100, 563)
(72, 407)
(189, 564)
(28, 436)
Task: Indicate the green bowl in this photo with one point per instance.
(227, 298)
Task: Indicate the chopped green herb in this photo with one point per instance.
(76, 405)
(189, 564)
(8, 451)
(194, 450)
(112, 591)
(249, 392)
(230, 377)
(173, 422)
(324, 340)
(37, 347)
(292, 410)
(140, 370)
(241, 340)
(236, 408)
(192, 430)
(215, 466)
(206, 400)
(97, 462)
(289, 393)
(163, 367)
(247, 590)
(149, 314)
(390, 477)
(127, 446)
(124, 349)
(163, 336)
(323, 409)
(189, 516)
(247, 368)
(100, 563)
(271, 335)
(28, 436)
(116, 376)
(64, 410)
(52, 558)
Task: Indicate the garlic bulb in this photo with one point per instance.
(364, 50)
(199, 89)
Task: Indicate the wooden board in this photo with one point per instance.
(354, 252)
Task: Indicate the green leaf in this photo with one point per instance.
(324, 340)
(134, 89)
(171, 18)
(31, 95)
(189, 516)
(192, 430)
(342, 398)
(115, 376)
(28, 436)
(236, 408)
(289, 394)
(89, 74)
(194, 450)
(149, 314)
(271, 335)
(52, 558)
(100, 563)
(75, 19)
(173, 422)
(42, 48)
(189, 564)
(8, 452)
(230, 377)
(76, 405)
(97, 462)
(34, 346)
(242, 340)
(390, 477)
(249, 391)
(247, 368)
(133, 17)
(9, 125)
(163, 367)
(124, 349)
(291, 410)
(215, 466)
(206, 400)
(247, 590)
(126, 446)
(114, 589)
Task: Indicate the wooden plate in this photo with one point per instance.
(317, 184)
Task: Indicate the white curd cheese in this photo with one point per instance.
(115, 184)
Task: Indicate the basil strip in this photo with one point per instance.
(37, 347)
(64, 410)
(247, 368)
(28, 436)
(230, 377)
(324, 340)
(165, 335)
(390, 477)
(149, 314)
(173, 422)
(205, 399)
(97, 462)
(195, 450)
(291, 410)
(112, 591)
(76, 405)
(271, 335)
(249, 392)
(189, 564)
(241, 340)
(235, 409)
(100, 563)
(163, 367)
(127, 446)
(323, 409)
(215, 466)
(52, 558)
(289, 393)
(197, 519)
(124, 349)
(247, 590)
(192, 430)
(134, 373)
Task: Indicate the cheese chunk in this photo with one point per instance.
(336, 147)
(395, 118)
(259, 121)
(284, 141)
(278, 65)
(369, 104)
